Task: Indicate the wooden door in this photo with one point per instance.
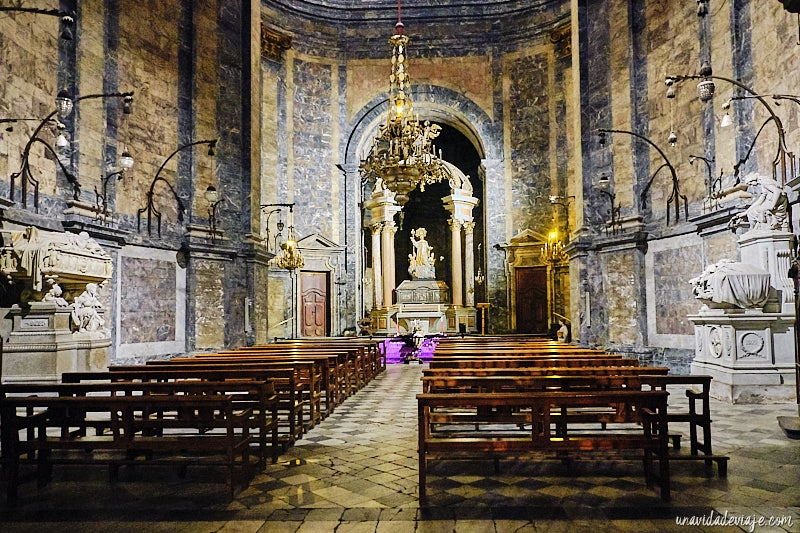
(531, 300)
(314, 304)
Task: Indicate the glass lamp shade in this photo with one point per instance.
(672, 139)
(726, 121)
(211, 195)
(603, 183)
(705, 90)
(126, 161)
(61, 142)
(63, 103)
(127, 104)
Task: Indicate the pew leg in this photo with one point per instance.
(12, 481)
(43, 468)
(496, 465)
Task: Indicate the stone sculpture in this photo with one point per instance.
(54, 295)
(421, 261)
(767, 212)
(457, 179)
(84, 310)
(35, 255)
(728, 284)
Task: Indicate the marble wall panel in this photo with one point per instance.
(672, 270)
(312, 148)
(148, 300)
(529, 140)
(209, 305)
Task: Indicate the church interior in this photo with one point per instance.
(343, 223)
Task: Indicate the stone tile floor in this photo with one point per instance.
(357, 471)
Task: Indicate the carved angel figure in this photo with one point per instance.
(421, 261)
(84, 310)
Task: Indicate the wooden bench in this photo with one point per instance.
(531, 379)
(171, 431)
(308, 376)
(645, 415)
(290, 403)
(258, 396)
(508, 362)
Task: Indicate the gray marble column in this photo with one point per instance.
(455, 226)
(377, 278)
(469, 263)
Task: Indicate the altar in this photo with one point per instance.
(422, 304)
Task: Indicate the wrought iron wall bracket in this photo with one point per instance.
(150, 208)
(675, 196)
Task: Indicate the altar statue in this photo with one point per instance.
(422, 259)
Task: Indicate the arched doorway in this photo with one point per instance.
(425, 209)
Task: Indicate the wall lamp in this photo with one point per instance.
(675, 196)
(67, 19)
(150, 208)
(705, 91)
(212, 197)
(101, 198)
(64, 106)
(277, 209)
(562, 201)
(603, 184)
(710, 182)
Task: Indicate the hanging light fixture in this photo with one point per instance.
(63, 103)
(706, 87)
(402, 153)
(290, 258)
(126, 160)
(553, 250)
(727, 121)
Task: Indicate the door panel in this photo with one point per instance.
(531, 300)
(314, 303)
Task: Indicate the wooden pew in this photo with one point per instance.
(648, 408)
(531, 362)
(141, 425)
(309, 376)
(258, 396)
(290, 404)
(333, 368)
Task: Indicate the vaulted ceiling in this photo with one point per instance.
(359, 12)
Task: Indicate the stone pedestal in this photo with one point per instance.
(749, 353)
(41, 346)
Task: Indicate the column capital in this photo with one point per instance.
(376, 228)
(454, 223)
(468, 227)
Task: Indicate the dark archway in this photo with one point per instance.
(425, 209)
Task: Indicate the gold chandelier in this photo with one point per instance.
(402, 154)
(553, 250)
(290, 257)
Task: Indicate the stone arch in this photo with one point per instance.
(432, 102)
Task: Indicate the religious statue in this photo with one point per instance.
(422, 259)
(767, 212)
(84, 310)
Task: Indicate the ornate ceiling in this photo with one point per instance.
(382, 12)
